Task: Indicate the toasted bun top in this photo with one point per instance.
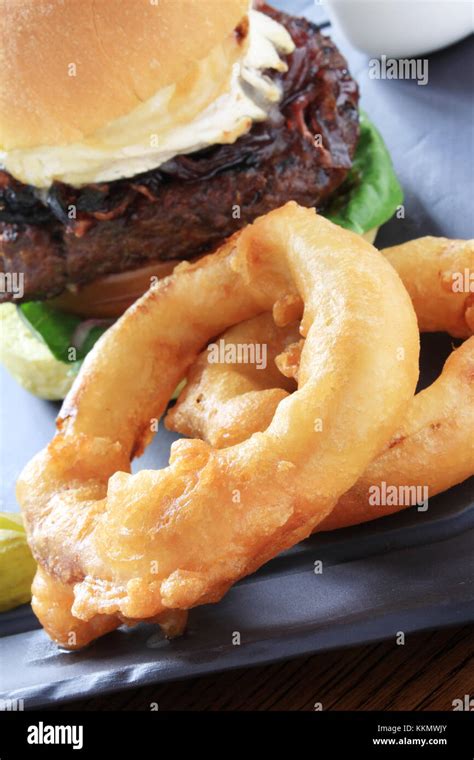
(71, 66)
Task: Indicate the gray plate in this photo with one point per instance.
(403, 573)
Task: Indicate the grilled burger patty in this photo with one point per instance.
(191, 203)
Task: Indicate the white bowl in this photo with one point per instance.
(399, 28)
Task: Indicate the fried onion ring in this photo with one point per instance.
(439, 276)
(150, 545)
(431, 451)
(433, 446)
(225, 403)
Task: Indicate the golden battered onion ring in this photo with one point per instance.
(432, 449)
(225, 403)
(214, 405)
(150, 544)
(53, 601)
(439, 276)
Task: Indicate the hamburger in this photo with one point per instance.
(136, 135)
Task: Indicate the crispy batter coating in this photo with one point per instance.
(439, 276)
(433, 448)
(157, 542)
(225, 403)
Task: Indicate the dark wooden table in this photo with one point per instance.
(427, 673)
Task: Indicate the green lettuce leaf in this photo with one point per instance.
(58, 330)
(371, 193)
